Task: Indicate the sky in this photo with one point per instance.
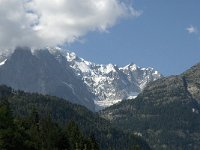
(163, 34)
(166, 36)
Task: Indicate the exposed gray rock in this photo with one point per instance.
(41, 72)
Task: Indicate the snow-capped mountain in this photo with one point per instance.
(41, 72)
(109, 83)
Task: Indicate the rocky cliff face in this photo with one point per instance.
(41, 72)
(109, 83)
(61, 73)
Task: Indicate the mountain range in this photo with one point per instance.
(109, 83)
(166, 113)
(41, 72)
(61, 73)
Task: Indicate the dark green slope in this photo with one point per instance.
(166, 113)
(192, 77)
(62, 112)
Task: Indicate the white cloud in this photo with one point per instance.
(192, 30)
(41, 23)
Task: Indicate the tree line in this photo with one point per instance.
(35, 133)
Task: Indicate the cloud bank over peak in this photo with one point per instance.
(41, 23)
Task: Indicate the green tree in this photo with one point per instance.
(34, 130)
(92, 143)
(50, 134)
(75, 136)
(62, 142)
(11, 137)
(6, 126)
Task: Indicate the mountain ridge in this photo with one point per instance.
(107, 84)
(166, 113)
(110, 83)
(41, 72)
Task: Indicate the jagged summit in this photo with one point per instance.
(108, 83)
(166, 113)
(41, 72)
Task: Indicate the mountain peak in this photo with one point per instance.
(168, 110)
(23, 51)
(71, 56)
(41, 72)
(108, 68)
(130, 66)
(107, 84)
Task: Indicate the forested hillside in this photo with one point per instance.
(34, 121)
(166, 113)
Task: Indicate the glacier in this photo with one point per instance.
(109, 83)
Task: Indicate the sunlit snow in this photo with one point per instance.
(3, 62)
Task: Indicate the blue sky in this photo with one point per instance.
(158, 38)
(165, 36)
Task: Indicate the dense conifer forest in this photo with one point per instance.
(30, 121)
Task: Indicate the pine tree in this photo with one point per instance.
(6, 126)
(75, 136)
(11, 137)
(34, 130)
(93, 142)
